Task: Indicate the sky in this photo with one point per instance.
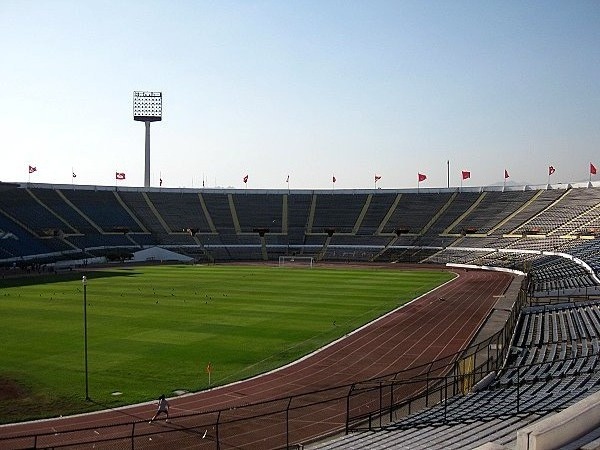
(305, 89)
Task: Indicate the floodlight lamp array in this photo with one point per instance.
(147, 106)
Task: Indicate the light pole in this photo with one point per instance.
(147, 108)
(85, 350)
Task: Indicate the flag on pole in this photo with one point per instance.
(333, 179)
(245, 178)
(422, 177)
(287, 180)
(160, 181)
(32, 169)
(466, 174)
(506, 174)
(551, 170)
(593, 170)
(73, 174)
(120, 175)
(377, 178)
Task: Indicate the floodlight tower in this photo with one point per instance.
(147, 107)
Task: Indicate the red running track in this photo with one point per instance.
(425, 330)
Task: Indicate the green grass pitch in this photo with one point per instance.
(153, 330)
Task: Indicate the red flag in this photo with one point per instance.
(245, 178)
(208, 368)
(422, 177)
(506, 173)
(593, 169)
(466, 174)
(333, 179)
(120, 175)
(551, 170)
(32, 169)
(377, 177)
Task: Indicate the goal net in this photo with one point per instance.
(296, 261)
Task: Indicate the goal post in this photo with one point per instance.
(296, 261)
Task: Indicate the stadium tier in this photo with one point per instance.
(549, 232)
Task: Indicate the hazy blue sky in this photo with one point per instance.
(308, 89)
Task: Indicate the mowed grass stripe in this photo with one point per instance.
(154, 329)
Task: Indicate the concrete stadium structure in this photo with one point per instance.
(548, 233)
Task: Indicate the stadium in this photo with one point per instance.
(509, 359)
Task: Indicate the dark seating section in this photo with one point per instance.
(15, 241)
(137, 202)
(298, 211)
(337, 212)
(457, 207)
(180, 211)
(414, 211)
(259, 211)
(103, 209)
(56, 205)
(219, 210)
(379, 206)
(23, 208)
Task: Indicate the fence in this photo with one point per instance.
(388, 399)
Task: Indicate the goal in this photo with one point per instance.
(296, 261)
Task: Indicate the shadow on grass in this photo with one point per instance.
(75, 275)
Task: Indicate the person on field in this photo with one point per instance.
(163, 407)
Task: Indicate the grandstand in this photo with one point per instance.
(550, 229)
(547, 354)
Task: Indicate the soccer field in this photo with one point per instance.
(154, 330)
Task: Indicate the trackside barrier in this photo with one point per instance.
(391, 407)
(295, 420)
(374, 403)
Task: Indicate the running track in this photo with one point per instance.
(425, 330)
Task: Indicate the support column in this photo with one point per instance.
(147, 158)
